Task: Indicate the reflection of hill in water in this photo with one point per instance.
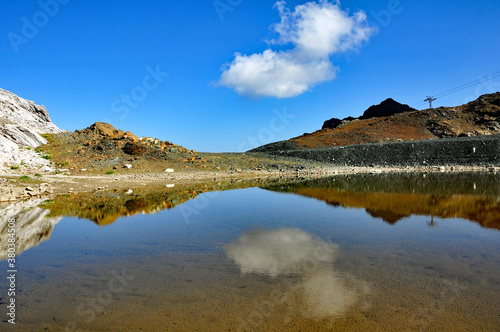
(105, 207)
(392, 197)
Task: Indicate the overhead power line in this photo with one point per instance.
(459, 88)
(468, 85)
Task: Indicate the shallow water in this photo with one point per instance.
(365, 253)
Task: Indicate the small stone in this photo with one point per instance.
(169, 170)
(46, 169)
(127, 166)
(170, 185)
(129, 192)
(45, 188)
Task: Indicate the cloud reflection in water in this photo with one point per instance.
(325, 292)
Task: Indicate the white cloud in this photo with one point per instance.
(275, 74)
(316, 31)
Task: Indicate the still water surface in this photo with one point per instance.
(356, 253)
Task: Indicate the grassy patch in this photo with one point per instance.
(58, 172)
(14, 167)
(24, 178)
(38, 175)
(47, 156)
(46, 203)
(110, 172)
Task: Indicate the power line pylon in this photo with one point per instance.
(430, 100)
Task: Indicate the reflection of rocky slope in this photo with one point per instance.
(21, 124)
(282, 252)
(104, 207)
(32, 225)
(479, 117)
(393, 197)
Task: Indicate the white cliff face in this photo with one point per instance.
(32, 225)
(26, 113)
(21, 124)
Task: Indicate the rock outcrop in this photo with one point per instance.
(25, 113)
(22, 123)
(386, 108)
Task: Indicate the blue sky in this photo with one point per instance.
(168, 69)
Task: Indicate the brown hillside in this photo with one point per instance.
(479, 117)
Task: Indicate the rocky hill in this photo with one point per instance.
(103, 147)
(479, 117)
(22, 124)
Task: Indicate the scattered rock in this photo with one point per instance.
(169, 170)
